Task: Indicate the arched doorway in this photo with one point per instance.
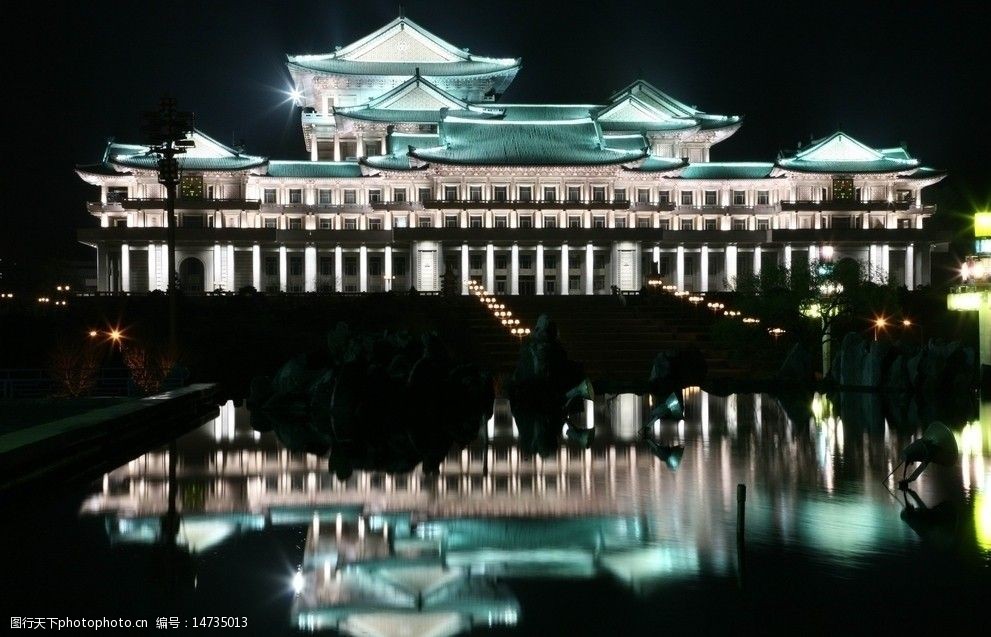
(191, 275)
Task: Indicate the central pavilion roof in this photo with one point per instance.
(532, 142)
(399, 48)
(840, 153)
(417, 101)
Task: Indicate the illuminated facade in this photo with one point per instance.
(418, 170)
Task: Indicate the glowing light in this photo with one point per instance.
(906, 323)
(964, 301)
(982, 224)
(297, 582)
(827, 252)
(296, 96)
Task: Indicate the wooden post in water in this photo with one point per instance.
(741, 508)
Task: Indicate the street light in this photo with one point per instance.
(879, 324)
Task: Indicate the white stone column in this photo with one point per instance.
(218, 268)
(514, 269)
(656, 257)
(361, 144)
(565, 269)
(337, 147)
(229, 274)
(885, 262)
(731, 257)
(589, 269)
(382, 146)
(310, 269)
(679, 268)
(125, 268)
(152, 269)
(540, 269)
(757, 261)
(490, 268)
(704, 269)
(283, 269)
(873, 258)
(256, 267)
(465, 268)
(388, 268)
(362, 269)
(910, 266)
(338, 269)
(813, 254)
(314, 155)
(788, 257)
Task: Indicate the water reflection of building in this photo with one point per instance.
(427, 552)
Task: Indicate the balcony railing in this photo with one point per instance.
(845, 205)
(652, 206)
(279, 208)
(191, 204)
(397, 205)
(530, 204)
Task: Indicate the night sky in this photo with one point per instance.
(80, 72)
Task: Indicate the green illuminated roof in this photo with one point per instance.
(840, 153)
(206, 154)
(727, 170)
(546, 143)
(102, 168)
(415, 100)
(543, 112)
(313, 169)
(642, 107)
(400, 142)
(654, 164)
(634, 142)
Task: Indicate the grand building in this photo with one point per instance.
(418, 170)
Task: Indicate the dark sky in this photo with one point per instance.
(79, 72)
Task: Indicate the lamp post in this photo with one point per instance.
(166, 131)
(879, 324)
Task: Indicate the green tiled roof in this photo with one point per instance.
(544, 112)
(642, 107)
(625, 142)
(654, 164)
(727, 170)
(924, 173)
(413, 117)
(392, 161)
(840, 153)
(646, 125)
(546, 143)
(380, 108)
(399, 142)
(207, 155)
(102, 168)
(313, 169)
(647, 92)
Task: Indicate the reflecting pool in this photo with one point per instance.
(617, 526)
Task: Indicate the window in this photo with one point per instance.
(116, 194)
(574, 221)
(550, 261)
(271, 222)
(295, 223)
(209, 192)
(474, 193)
(450, 193)
(326, 266)
(398, 265)
(739, 224)
(295, 195)
(598, 221)
(475, 221)
(427, 128)
(550, 193)
(904, 223)
(598, 261)
(763, 198)
(423, 194)
(375, 265)
(424, 221)
(349, 150)
(598, 193)
(574, 193)
(399, 195)
(374, 223)
(324, 196)
(350, 196)
(271, 266)
(350, 266)
(526, 261)
(326, 224)
(620, 222)
(500, 193)
(643, 222)
(901, 196)
(709, 198)
(763, 224)
(687, 224)
(709, 224)
(643, 195)
(739, 198)
(526, 193)
(350, 223)
(450, 221)
(268, 196)
(374, 195)
(664, 224)
(526, 221)
(550, 285)
(295, 265)
(400, 222)
(550, 222)
(686, 197)
(121, 222)
(475, 262)
(619, 195)
(501, 262)
(500, 285)
(501, 221)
